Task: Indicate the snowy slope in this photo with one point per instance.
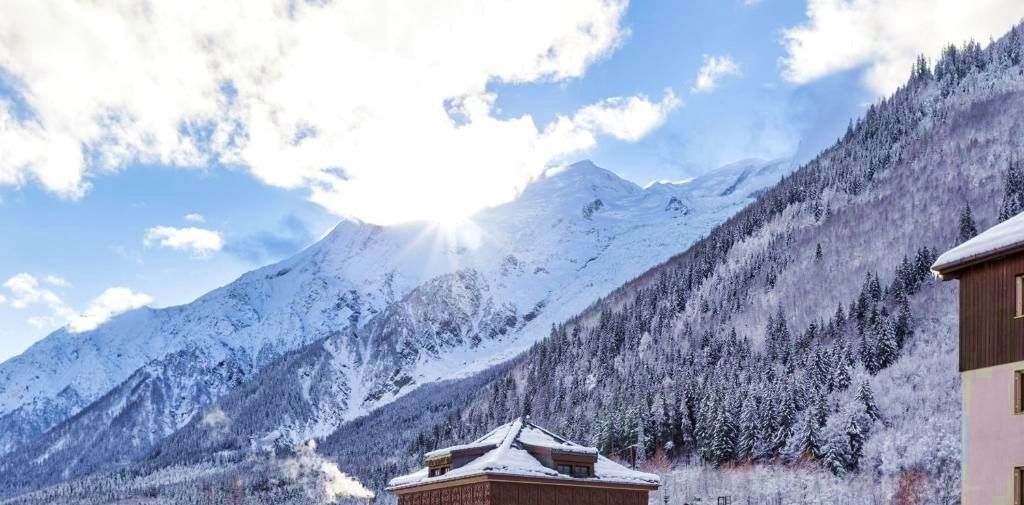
(406, 304)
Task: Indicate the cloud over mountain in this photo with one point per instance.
(101, 86)
(200, 242)
(885, 37)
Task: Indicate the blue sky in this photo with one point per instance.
(138, 172)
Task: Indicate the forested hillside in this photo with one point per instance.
(807, 330)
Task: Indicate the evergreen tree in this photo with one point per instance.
(875, 288)
(888, 350)
(806, 441)
(904, 321)
(723, 448)
(867, 399)
(968, 230)
(817, 252)
(1013, 194)
(749, 430)
(836, 455)
(855, 435)
(641, 442)
(867, 351)
(921, 71)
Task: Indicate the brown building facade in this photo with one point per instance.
(522, 464)
(497, 491)
(990, 268)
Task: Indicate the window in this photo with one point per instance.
(1020, 296)
(438, 471)
(1018, 485)
(1018, 392)
(564, 469)
(581, 471)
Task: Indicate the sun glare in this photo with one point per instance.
(449, 216)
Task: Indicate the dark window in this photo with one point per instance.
(437, 471)
(564, 469)
(1018, 485)
(581, 471)
(1018, 392)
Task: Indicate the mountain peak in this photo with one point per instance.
(582, 179)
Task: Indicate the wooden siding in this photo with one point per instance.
(989, 333)
(469, 494)
(520, 493)
(517, 493)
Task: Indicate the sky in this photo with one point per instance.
(152, 151)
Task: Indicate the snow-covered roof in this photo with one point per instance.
(1003, 237)
(508, 456)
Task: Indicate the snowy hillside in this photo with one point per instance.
(404, 305)
(803, 344)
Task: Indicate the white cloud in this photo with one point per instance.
(195, 218)
(26, 291)
(751, 3)
(198, 241)
(626, 118)
(111, 302)
(3, 299)
(57, 281)
(713, 69)
(886, 36)
(353, 101)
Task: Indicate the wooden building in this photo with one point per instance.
(522, 464)
(990, 268)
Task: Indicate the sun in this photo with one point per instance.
(449, 215)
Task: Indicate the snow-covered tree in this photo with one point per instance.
(968, 229)
(1013, 193)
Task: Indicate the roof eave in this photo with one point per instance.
(953, 270)
(500, 477)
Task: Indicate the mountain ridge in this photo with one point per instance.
(314, 295)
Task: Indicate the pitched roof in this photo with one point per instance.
(507, 455)
(1000, 239)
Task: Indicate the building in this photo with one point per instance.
(521, 463)
(990, 268)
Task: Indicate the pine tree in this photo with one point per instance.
(1013, 194)
(817, 252)
(888, 350)
(820, 412)
(904, 322)
(806, 441)
(875, 288)
(779, 336)
(867, 351)
(867, 399)
(641, 441)
(968, 230)
(839, 317)
(840, 370)
(749, 430)
(836, 455)
(921, 71)
(855, 435)
(724, 443)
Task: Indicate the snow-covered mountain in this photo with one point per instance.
(399, 306)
